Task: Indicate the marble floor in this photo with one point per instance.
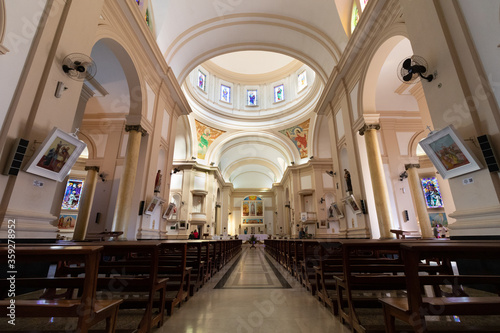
(252, 294)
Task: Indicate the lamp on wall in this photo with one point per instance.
(175, 170)
(331, 173)
(287, 204)
(322, 200)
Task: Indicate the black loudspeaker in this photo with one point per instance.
(488, 153)
(363, 206)
(406, 217)
(141, 207)
(98, 218)
(16, 157)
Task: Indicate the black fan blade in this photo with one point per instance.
(419, 69)
(407, 77)
(407, 63)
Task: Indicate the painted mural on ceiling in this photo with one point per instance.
(205, 135)
(298, 135)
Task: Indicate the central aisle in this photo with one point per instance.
(252, 294)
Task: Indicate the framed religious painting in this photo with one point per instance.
(56, 155)
(336, 211)
(449, 154)
(155, 202)
(171, 209)
(351, 202)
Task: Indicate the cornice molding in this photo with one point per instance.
(252, 79)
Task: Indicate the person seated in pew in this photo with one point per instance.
(191, 235)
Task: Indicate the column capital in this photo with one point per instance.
(137, 128)
(92, 167)
(367, 127)
(409, 166)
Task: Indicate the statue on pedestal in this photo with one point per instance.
(158, 182)
(347, 177)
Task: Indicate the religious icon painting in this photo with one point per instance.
(67, 221)
(298, 135)
(302, 80)
(56, 155)
(225, 93)
(431, 192)
(251, 97)
(206, 135)
(279, 93)
(202, 80)
(71, 199)
(449, 153)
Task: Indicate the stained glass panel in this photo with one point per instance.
(251, 97)
(71, 199)
(279, 93)
(302, 80)
(363, 4)
(355, 17)
(431, 193)
(225, 93)
(202, 80)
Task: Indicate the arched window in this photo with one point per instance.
(3, 19)
(357, 8)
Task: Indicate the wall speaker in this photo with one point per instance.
(98, 218)
(16, 157)
(406, 217)
(488, 153)
(363, 206)
(141, 207)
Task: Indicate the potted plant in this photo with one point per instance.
(252, 240)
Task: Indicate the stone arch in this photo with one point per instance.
(127, 60)
(413, 144)
(373, 65)
(91, 146)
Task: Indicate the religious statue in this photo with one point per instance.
(158, 182)
(347, 177)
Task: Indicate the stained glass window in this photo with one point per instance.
(431, 193)
(71, 199)
(251, 97)
(279, 93)
(354, 17)
(225, 93)
(138, 2)
(302, 80)
(147, 18)
(202, 80)
(363, 4)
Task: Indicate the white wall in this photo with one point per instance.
(21, 25)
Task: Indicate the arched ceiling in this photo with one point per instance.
(191, 32)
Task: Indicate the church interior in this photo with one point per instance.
(263, 126)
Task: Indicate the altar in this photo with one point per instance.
(259, 237)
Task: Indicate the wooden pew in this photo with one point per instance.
(416, 306)
(330, 265)
(311, 250)
(129, 270)
(173, 265)
(372, 268)
(87, 308)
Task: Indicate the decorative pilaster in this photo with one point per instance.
(380, 191)
(126, 188)
(88, 192)
(418, 199)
